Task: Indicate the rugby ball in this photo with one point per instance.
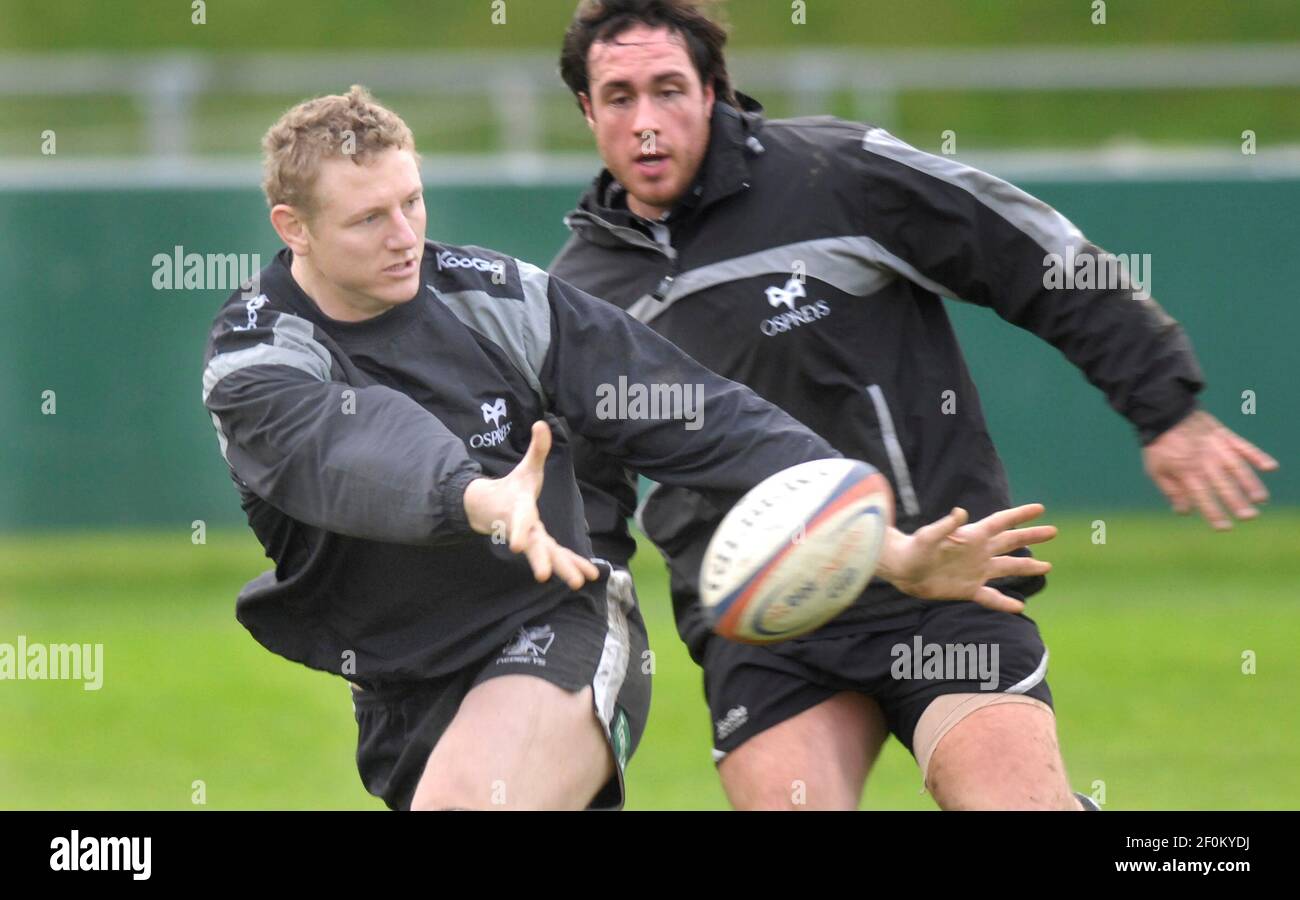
(796, 551)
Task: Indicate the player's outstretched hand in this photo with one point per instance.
(950, 560)
(492, 504)
(1201, 462)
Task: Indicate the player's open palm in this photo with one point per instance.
(952, 560)
(510, 503)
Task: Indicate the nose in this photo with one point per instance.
(401, 235)
(645, 123)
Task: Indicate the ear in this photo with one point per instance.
(290, 224)
(585, 100)
(709, 97)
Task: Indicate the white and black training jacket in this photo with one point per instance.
(808, 262)
(351, 445)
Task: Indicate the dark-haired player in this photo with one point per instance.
(806, 259)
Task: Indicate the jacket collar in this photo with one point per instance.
(602, 212)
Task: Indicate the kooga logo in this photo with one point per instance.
(449, 260)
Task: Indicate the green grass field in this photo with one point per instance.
(1147, 634)
(242, 25)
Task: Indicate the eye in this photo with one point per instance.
(412, 202)
(369, 219)
(619, 101)
(671, 92)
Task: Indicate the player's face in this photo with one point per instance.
(367, 236)
(650, 114)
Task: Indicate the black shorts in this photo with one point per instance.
(578, 644)
(954, 648)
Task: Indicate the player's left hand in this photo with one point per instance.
(951, 560)
(1200, 462)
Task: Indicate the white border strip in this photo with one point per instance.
(1033, 678)
(1109, 164)
(110, 173)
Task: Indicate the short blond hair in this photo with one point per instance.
(335, 125)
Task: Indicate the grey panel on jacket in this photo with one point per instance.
(520, 328)
(853, 264)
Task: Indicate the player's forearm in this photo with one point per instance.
(1126, 346)
(372, 464)
(969, 235)
(415, 499)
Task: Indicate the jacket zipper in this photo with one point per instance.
(664, 240)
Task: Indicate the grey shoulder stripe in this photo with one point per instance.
(296, 333)
(1048, 228)
(293, 345)
(853, 264)
(521, 329)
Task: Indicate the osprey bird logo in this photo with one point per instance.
(492, 412)
(792, 291)
(530, 642)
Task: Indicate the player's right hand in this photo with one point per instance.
(1201, 462)
(950, 560)
(510, 504)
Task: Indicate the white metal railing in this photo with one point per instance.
(1103, 164)
(168, 86)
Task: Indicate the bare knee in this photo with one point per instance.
(818, 759)
(760, 778)
(1002, 756)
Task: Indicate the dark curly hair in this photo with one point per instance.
(603, 20)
